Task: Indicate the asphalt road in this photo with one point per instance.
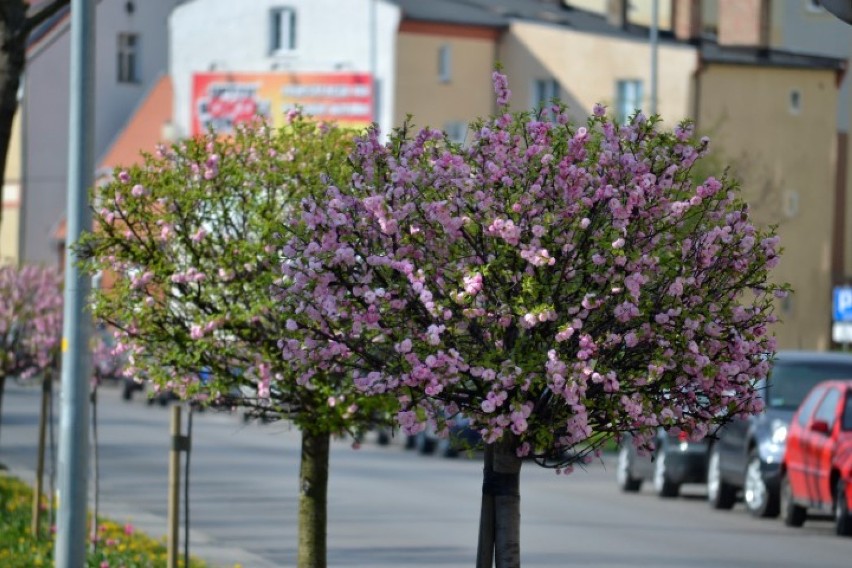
(392, 508)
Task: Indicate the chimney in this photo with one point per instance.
(686, 19)
(744, 22)
(616, 13)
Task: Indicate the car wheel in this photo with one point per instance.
(383, 438)
(425, 444)
(842, 520)
(625, 480)
(451, 451)
(759, 500)
(720, 494)
(793, 515)
(664, 486)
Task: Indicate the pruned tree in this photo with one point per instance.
(187, 240)
(558, 285)
(30, 321)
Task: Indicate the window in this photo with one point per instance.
(128, 58)
(628, 99)
(445, 69)
(827, 410)
(456, 131)
(847, 412)
(795, 101)
(545, 91)
(790, 381)
(808, 406)
(282, 35)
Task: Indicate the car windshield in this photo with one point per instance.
(791, 381)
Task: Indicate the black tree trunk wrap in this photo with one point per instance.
(2, 390)
(501, 494)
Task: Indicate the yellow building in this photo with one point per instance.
(770, 114)
(10, 224)
(444, 62)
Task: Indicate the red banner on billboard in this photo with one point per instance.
(221, 100)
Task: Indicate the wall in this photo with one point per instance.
(420, 92)
(785, 162)
(45, 148)
(588, 65)
(332, 35)
(116, 101)
(800, 27)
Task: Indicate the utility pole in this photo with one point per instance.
(70, 548)
(374, 57)
(654, 41)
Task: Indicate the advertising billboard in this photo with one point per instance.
(221, 99)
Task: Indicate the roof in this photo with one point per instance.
(144, 130)
(501, 13)
(712, 52)
(43, 29)
(814, 356)
(451, 12)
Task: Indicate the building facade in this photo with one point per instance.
(334, 58)
(770, 112)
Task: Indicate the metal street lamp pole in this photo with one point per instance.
(374, 57)
(654, 41)
(70, 548)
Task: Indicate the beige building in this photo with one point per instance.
(445, 53)
(783, 153)
(770, 113)
(440, 72)
(10, 223)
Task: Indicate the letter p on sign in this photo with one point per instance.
(843, 303)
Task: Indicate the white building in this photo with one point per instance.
(270, 54)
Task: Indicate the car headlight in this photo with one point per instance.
(779, 432)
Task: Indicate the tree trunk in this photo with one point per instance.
(485, 550)
(313, 500)
(2, 390)
(501, 500)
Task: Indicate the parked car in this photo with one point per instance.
(747, 454)
(817, 469)
(676, 460)
(462, 437)
(129, 386)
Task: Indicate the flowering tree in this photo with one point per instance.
(30, 321)
(557, 285)
(187, 241)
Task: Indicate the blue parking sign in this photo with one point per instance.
(843, 303)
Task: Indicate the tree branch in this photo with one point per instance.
(44, 14)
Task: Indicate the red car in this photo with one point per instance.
(817, 468)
